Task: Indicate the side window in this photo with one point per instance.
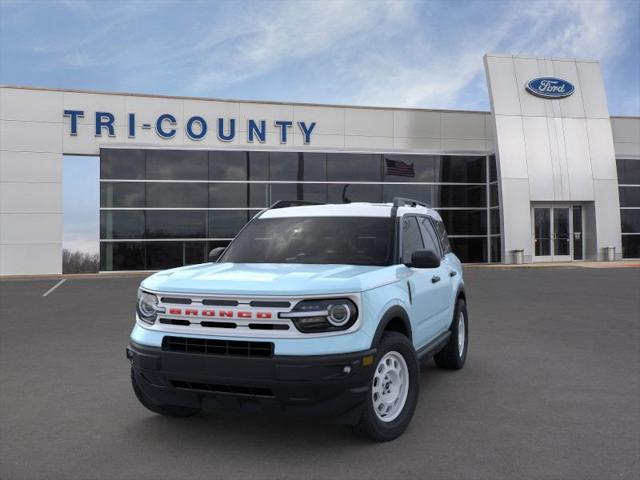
(430, 238)
(444, 239)
(411, 238)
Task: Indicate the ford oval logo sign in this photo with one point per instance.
(550, 87)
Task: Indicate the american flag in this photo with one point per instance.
(399, 168)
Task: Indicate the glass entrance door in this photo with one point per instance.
(561, 234)
(577, 232)
(542, 233)
(557, 233)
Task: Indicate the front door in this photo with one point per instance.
(557, 233)
(430, 287)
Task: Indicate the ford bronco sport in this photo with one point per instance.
(312, 309)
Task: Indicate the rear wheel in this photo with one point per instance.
(167, 410)
(454, 354)
(394, 390)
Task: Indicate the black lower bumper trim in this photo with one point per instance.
(322, 385)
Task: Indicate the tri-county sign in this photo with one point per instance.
(550, 87)
(196, 127)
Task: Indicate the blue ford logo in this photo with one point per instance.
(550, 87)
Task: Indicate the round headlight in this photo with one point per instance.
(339, 314)
(323, 315)
(147, 307)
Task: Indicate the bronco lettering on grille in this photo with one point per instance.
(193, 312)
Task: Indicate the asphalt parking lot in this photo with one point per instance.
(551, 390)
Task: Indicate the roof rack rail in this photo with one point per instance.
(405, 202)
(293, 203)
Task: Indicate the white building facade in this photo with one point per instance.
(547, 174)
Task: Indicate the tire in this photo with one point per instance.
(451, 357)
(395, 354)
(166, 410)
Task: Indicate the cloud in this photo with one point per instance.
(561, 29)
(80, 60)
(386, 56)
(99, 33)
(574, 28)
(275, 38)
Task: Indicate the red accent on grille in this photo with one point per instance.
(211, 313)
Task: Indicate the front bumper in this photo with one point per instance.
(318, 385)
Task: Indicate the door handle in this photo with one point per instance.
(435, 279)
(453, 273)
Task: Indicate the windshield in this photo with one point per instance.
(342, 240)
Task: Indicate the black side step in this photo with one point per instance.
(433, 347)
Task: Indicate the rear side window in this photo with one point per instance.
(411, 238)
(431, 241)
(444, 239)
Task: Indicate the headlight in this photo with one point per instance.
(312, 316)
(148, 307)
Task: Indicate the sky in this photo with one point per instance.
(389, 53)
(81, 204)
(379, 53)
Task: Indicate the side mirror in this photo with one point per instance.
(215, 253)
(424, 259)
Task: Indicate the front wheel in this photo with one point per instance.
(394, 390)
(454, 354)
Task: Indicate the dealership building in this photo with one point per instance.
(546, 175)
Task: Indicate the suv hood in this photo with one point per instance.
(266, 279)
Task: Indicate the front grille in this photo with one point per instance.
(218, 347)
(215, 388)
(241, 318)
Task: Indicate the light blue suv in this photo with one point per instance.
(313, 310)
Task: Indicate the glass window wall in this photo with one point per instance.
(629, 191)
(162, 208)
(177, 165)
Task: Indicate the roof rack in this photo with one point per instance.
(293, 203)
(406, 202)
(401, 202)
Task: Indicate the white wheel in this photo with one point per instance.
(461, 334)
(394, 389)
(390, 386)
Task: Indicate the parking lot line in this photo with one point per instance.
(54, 287)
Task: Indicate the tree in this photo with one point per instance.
(79, 262)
